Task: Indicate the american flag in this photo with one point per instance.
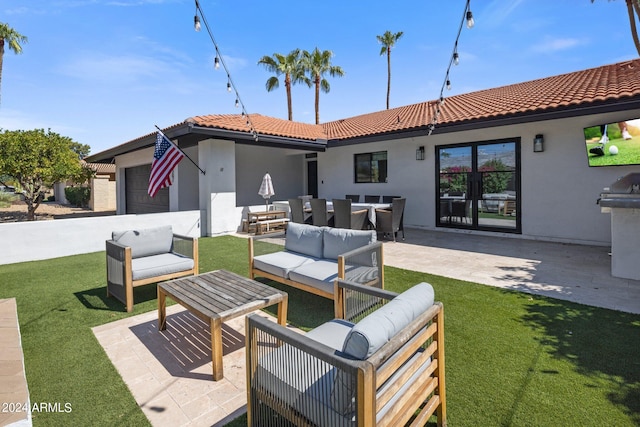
(165, 157)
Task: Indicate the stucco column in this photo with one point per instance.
(217, 186)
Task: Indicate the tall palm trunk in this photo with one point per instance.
(1, 60)
(631, 4)
(287, 85)
(388, 75)
(317, 82)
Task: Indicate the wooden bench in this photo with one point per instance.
(271, 225)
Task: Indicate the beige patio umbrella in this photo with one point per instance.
(266, 190)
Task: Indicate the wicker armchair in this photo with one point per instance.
(316, 380)
(143, 256)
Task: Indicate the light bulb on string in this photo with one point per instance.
(237, 103)
(470, 21)
(456, 58)
(228, 86)
(196, 23)
(216, 62)
(448, 84)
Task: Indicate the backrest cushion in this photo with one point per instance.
(376, 329)
(146, 242)
(305, 239)
(340, 240)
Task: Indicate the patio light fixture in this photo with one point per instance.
(470, 21)
(454, 60)
(538, 143)
(219, 61)
(420, 153)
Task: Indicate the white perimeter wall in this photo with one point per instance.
(30, 241)
(559, 190)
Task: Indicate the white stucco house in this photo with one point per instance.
(477, 172)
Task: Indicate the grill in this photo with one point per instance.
(624, 193)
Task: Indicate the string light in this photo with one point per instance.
(455, 60)
(219, 60)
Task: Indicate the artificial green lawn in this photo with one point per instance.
(512, 359)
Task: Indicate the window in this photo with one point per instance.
(370, 167)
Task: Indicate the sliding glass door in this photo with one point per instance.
(479, 185)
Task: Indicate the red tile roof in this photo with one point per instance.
(587, 87)
(263, 125)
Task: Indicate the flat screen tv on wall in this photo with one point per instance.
(613, 144)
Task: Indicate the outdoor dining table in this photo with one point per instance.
(284, 205)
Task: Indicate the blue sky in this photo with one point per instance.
(104, 72)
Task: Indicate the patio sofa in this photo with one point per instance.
(314, 257)
(378, 363)
(143, 256)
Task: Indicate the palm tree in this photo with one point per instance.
(318, 63)
(292, 68)
(388, 40)
(13, 40)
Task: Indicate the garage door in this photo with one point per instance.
(138, 200)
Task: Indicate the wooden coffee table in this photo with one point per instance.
(216, 297)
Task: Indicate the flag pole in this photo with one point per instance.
(185, 154)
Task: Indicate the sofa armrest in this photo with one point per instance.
(354, 301)
(257, 247)
(186, 246)
(302, 390)
(364, 265)
(118, 256)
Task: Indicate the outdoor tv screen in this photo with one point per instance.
(613, 144)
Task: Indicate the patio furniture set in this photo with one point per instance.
(380, 362)
(387, 218)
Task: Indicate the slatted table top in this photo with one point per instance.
(221, 294)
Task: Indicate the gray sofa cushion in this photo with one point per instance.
(320, 274)
(281, 263)
(331, 333)
(146, 242)
(159, 265)
(375, 330)
(338, 241)
(304, 239)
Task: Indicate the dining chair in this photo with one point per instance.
(371, 199)
(342, 213)
(297, 210)
(390, 221)
(319, 212)
(389, 199)
(355, 198)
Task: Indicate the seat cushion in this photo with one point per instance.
(320, 274)
(338, 241)
(281, 263)
(304, 239)
(147, 241)
(376, 329)
(159, 265)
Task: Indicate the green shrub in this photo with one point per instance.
(78, 196)
(6, 199)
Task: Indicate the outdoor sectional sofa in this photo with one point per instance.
(378, 363)
(314, 257)
(143, 256)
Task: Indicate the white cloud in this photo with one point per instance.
(550, 45)
(116, 68)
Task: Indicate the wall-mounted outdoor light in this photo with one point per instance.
(420, 153)
(538, 143)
